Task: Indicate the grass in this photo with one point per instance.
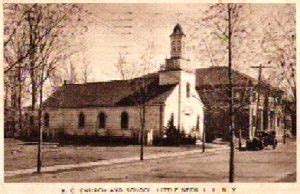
(19, 155)
(263, 166)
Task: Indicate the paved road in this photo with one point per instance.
(250, 166)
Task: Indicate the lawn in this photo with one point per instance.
(21, 156)
(267, 165)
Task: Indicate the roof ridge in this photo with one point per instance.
(118, 80)
(98, 82)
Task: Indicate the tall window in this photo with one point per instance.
(188, 90)
(198, 123)
(81, 120)
(124, 120)
(171, 121)
(46, 120)
(101, 120)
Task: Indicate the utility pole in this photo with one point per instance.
(230, 91)
(260, 67)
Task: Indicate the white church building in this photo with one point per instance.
(112, 109)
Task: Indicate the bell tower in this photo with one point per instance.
(177, 69)
(177, 42)
(177, 61)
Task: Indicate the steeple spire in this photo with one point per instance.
(177, 30)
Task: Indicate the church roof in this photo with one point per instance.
(217, 76)
(113, 93)
(208, 79)
(178, 30)
(129, 93)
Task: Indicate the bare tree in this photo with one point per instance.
(279, 46)
(225, 21)
(125, 68)
(70, 72)
(86, 70)
(47, 32)
(31, 24)
(136, 74)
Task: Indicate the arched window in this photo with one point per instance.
(124, 120)
(46, 119)
(81, 120)
(101, 120)
(188, 90)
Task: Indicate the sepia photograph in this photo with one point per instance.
(149, 93)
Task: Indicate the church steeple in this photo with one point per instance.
(177, 42)
(177, 61)
(177, 67)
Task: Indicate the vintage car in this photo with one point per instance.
(262, 140)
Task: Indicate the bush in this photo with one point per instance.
(171, 136)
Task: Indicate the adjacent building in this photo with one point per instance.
(249, 114)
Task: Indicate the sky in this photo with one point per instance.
(143, 24)
(129, 29)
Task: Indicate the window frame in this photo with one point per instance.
(46, 119)
(124, 123)
(188, 90)
(81, 120)
(101, 123)
(198, 123)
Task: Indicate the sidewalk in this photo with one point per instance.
(47, 169)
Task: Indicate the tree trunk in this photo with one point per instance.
(203, 140)
(20, 99)
(142, 132)
(39, 154)
(32, 62)
(294, 122)
(231, 111)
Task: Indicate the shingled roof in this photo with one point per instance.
(216, 76)
(108, 94)
(129, 93)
